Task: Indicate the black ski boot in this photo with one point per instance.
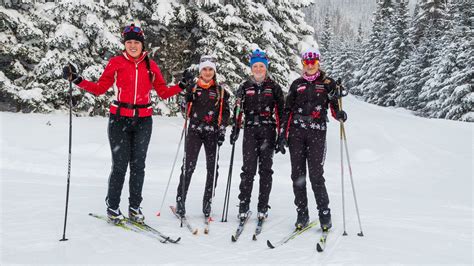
(180, 208)
(262, 216)
(303, 218)
(325, 219)
(243, 210)
(115, 216)
(242, 216)
(263, 213)
(136, 215)
(206, 208)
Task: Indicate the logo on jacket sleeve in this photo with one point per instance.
(301, 89)
(250, 91)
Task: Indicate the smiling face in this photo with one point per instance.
(259, 71)
(134, 48)
(207, 74)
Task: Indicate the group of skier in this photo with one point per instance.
(270, 124)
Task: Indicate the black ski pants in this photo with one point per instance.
(129, 138)
(194, 140)
(308, 146)
(258, 147)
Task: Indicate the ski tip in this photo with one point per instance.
(177, 240)
(319, 248)
(269, 244)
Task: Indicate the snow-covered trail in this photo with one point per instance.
(413, 179)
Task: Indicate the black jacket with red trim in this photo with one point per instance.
(260, 103)
(132, 84)
(307, 103)
(205, 108)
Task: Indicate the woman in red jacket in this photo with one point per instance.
(133, 76)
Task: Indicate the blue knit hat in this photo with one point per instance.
(258, 56)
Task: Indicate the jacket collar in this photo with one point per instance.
(131, 59)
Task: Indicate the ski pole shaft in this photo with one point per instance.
(341, 132)
(225, 209)
(237, 120)
(214, 180)
(342, 183)
(172, 169)
(69, 157)
(219, 122)
(183, 169)
(352, 180)
(183, 173)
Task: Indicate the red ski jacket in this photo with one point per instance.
(131, 84)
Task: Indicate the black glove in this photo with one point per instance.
(341, 115)
(190, 96)
(234, 134)
(221, 136)
(187, 79)
(69, 71)
(281, 144)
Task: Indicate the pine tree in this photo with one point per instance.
(395, 53)
(433, 41)
(40, 39)
(455, 97)
(326, 35)
(370, 78)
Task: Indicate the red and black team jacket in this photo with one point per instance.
(261, 104)
(132, 85)
(307, 103)
(206, 107)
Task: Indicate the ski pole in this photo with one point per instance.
(352, 180)
(183, 179)
(341, 128)
(342, 93)
(69, 155)
(172, 169)
(342, 177)
(214, 179)
(225, 209)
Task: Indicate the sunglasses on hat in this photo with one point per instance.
(208, 58)
(133, 28)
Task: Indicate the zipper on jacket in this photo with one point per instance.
(136, 84)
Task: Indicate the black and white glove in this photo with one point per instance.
(341, 115)
(234, 134)
(188, 78)
(70, 73)
(221, 136)
(281, 143)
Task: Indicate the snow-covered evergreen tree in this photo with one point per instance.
(371, 79)
(422, 68)
(455, 75)
(39, 39)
